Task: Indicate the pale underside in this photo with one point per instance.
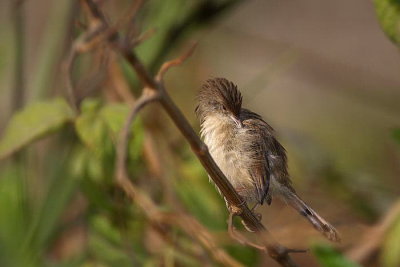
(230, 147)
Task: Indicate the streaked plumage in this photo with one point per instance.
(244, 147)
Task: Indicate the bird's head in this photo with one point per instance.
(219, 97)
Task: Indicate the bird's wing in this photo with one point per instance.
(261, 137)
(260, 174)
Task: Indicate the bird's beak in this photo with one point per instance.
(237, 121)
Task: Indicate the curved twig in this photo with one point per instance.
(147, 97)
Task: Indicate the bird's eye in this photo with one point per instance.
(223, 108)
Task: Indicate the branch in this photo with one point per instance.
(147, 97)
(373, 238)
(172, 63)
(187, 223)
(154, 90)
(238, 206)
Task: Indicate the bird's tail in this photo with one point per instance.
(317, 221)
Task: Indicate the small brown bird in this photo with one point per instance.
(244, 147)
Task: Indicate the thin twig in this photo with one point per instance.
(122, 146)
(175, 62)
(67, 67)
(373, 238)
(187, 223)
(117, 81)
(238, 237)
(143, 37)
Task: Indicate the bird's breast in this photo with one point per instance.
(225, 143)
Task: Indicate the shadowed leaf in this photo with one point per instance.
(396, 135)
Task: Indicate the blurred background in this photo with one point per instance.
(323, 73)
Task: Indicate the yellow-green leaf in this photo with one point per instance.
(390, 256)
(33, 122)
(388, 12)
(90, 129)
(114, 116)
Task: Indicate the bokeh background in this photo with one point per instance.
(322, 73)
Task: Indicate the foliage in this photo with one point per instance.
(81, 160)
(390, 256)
(328, 257)
(388, 12)
(33, 122)
(396, 135)
(40, 186)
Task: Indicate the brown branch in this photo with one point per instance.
(67, 68)
(172, 63)
(98, 32)
(155, 90)
(373, 238)
(275, 250)
(143, 37)
(118, 83)
(238, 237)
(187, 223)
(147, 97)
(85, 42)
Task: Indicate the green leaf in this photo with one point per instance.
(13, 228)
(33, 122)
(198, 195)
(98, 127)
(107, 253)
(90, 129)
(388, 12)
(44, 224)
(390, 256)
(114, 116)
(327, 256)
(396, 135)
(105, 243)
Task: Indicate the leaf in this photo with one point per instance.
(13, 228)
(44, 223)
(327, 256)
(114, 116)
(98, 127)
(390, 256)
(388, 12)
(396, 135)
(107, 253)
(198, 195)
(33, 122)
(90, 129)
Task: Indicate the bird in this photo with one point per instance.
(246, 150)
